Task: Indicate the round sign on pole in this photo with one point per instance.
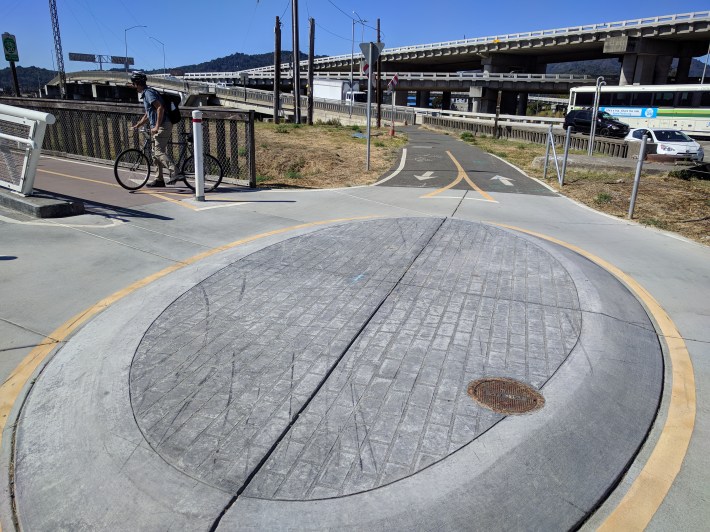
(9, 45)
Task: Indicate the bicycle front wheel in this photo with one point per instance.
(131, 169)
(213, 172)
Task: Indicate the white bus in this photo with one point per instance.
(684, 107)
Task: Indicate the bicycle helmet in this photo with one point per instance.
(139, 77)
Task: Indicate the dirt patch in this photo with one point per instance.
(322, 155)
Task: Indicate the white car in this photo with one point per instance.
(669, 142)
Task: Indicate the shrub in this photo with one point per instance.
(602, 198)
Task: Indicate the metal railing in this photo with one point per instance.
(405, 76)
(604, 146)
(100, 131)
(22, 132)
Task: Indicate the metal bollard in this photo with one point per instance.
(198, 150)
(564, 160)
(637, 178)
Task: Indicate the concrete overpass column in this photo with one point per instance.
(628, 67)
(446, 101)
(487, 103)
(645, 66)
(522, 104)
(508, 103)
(423, 98)
(662, 69)
(400, 98)
(683, 70)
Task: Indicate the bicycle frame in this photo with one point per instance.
(148, 147)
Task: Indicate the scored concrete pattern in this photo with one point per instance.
(220, 377)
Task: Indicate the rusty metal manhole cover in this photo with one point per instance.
(505, 396)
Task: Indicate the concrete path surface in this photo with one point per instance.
(300, 360)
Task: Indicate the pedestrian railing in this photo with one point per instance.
(22, 132)
(100, 131)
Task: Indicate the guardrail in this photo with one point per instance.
(408, 76)
(100, 131)
(22, 133)
(248, 96)
(604, 146)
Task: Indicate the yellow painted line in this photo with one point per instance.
(644, 497)
(11, 388)
(79, 178)
(161, 195)
(460, 177)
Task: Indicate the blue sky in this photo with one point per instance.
(194, 31)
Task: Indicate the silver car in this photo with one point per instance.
(671, 142)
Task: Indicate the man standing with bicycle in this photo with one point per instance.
(160, 128)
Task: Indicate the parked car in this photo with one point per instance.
(607, 125)
(669, 142)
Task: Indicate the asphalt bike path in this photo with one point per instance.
(295, 359)
(433, 160)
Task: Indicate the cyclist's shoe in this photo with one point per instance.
(174, 178)
(156, 183)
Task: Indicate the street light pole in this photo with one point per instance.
(163, 45)
(352, 59)
(125, 41)
(600, 82)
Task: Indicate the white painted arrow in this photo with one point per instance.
(508, 182)
(427, 175)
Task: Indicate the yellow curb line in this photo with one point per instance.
(644, 497)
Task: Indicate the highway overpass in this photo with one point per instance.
(515, 64)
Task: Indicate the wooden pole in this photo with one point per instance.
(311, 51)
(277, 71)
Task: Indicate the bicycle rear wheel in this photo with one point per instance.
(213, 172)
(131, 169)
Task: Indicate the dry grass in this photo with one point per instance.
(664, 201)
(321, 156)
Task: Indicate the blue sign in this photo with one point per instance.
(631, 112)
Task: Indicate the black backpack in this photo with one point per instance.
(171, 102)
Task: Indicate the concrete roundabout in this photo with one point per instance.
(319, 381)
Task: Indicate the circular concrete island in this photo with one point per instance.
(411, 373)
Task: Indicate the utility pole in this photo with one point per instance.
(58, 49)
(377, 80)
(277, 71)
(311, 51)
(296, 65)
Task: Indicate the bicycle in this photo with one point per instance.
(132, 167)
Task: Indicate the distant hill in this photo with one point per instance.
(611, 67)
(29, 78)
(234, 62)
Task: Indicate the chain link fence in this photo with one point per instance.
(100, 131)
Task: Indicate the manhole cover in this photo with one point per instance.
(505, 396)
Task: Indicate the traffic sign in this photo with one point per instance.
(9, 45)
(371, 50)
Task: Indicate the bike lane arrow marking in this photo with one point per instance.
(508, 182)
(426, 175)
